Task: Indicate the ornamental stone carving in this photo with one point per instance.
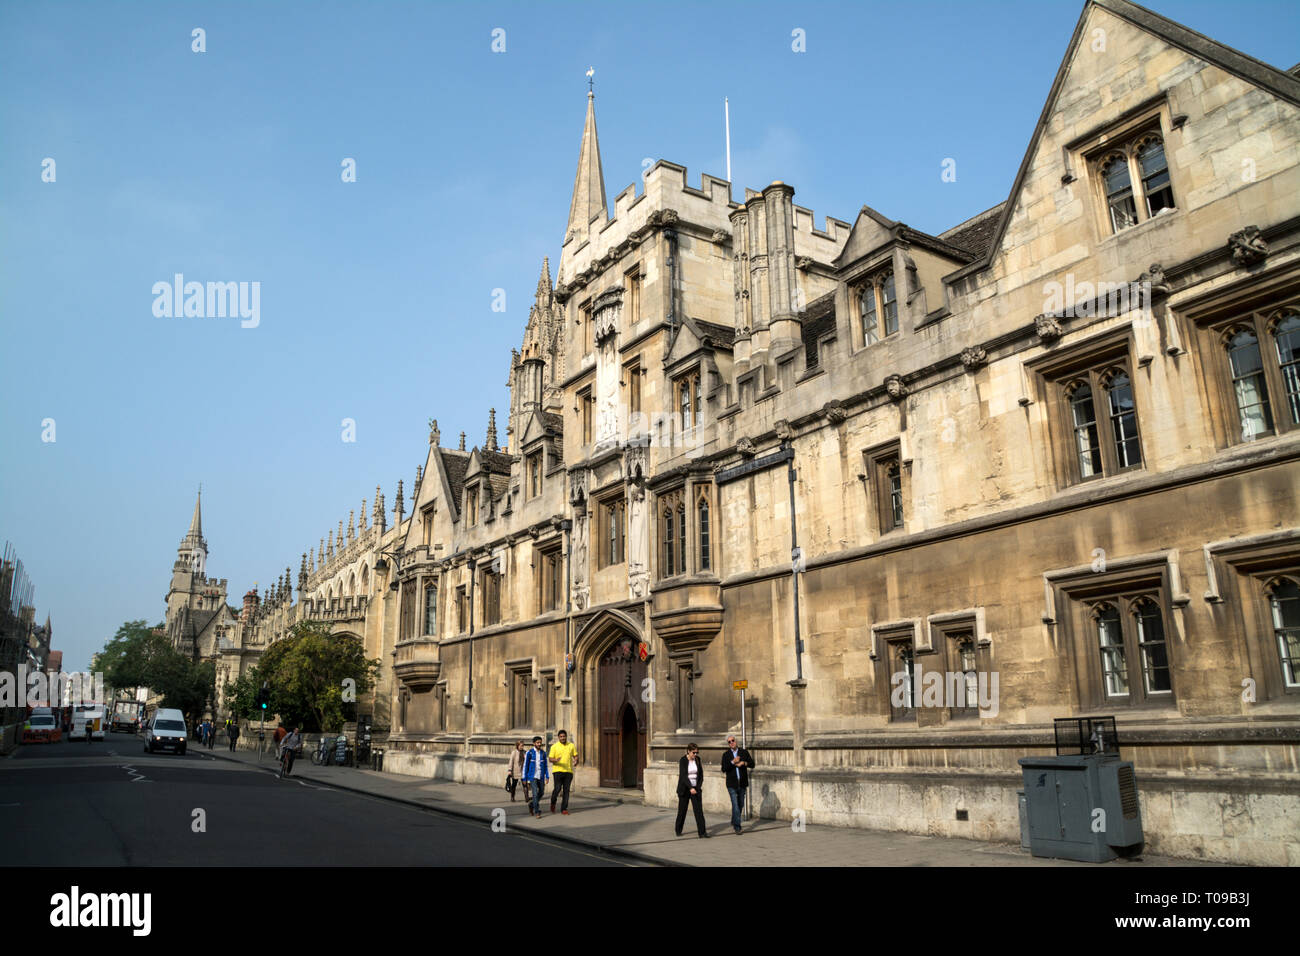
(721, 235)
(834, 412)
(896, 387)
(1248, 246)
(803, 262)
(1047, 328)
(972, 357)
(783, 431)
(1155, 276)
(577, 486)
(746, 447)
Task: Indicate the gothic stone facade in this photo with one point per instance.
(1054, 447)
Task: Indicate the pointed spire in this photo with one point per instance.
(311, 563)
(288, 584)
(462, 441)
(381, 514)
(352, 526)
(589, 183)
(339, 539)
(379, 508)
(492, 430)
(399, 508)
(196, 523)
(544, 281)
(322, 553)
(434, 434)
(329, 547)
(302, 575)
(363, 515)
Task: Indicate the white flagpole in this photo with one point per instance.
(726, 108)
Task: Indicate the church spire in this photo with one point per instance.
(196, 523)
(589, 183)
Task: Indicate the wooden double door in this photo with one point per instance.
(620, 677)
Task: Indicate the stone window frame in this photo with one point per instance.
(472, 504)
(671, 560)
(875, 283)
(1053, 375)
(688, 383)
(534, 473)
(633, 372)
(705, 550)
(521, 683)
(1254, 564)
(617, 502)
(409, 616)
(587, 325)
(440, 704)
(584, 408)
(546, 556)
(548, 685)
(944, 630)
(1122, 138)
(430, 590)
(462, 608)
(885, 638)
(426, 523)
(877, 462)
(684, 672)
(493, 573)
(634, 283)
(1074, 596)
(1263, 321)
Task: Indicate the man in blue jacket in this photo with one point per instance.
(536, 773)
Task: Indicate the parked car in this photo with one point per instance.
(166, 731)
(41, 729)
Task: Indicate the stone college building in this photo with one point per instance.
(924, 493)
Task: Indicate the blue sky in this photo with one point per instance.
(376, 295)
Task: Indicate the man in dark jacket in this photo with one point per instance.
(232, 731)
(736, 764)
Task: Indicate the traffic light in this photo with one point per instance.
(263, 695)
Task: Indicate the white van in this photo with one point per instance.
(165, 731)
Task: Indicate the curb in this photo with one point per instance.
(466, 815)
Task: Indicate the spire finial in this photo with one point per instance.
(492, 430)
(462, 441)
(434, 434)
(591, 82)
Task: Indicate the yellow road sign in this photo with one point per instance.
(739, 684)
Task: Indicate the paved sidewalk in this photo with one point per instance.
(647, 832)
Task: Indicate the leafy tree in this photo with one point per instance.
(141, 656)
(313, 673)
(241, 694)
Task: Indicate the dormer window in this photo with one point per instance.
(688, 400)
(878, 308)
(534, 474)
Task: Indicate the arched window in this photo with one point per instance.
(681, 538)
(1284, 608)
(668, 542)
(702, 517)
(867, 311)
(1154, 171)
(365, 577)
(1084, 421)
(1119, 192)
(1123, 417)
(1151, 646)
(1286, 337)
(889, 304)
(1248, 385)
(1110, 641)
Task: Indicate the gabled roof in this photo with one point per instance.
(975, 235)
(715, 333)
(540, 424)
(1281, 84)
(454, 464)
(872, 231)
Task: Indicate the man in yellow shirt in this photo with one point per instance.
(563, 757)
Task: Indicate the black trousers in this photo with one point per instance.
(696, 802)
(563, 781)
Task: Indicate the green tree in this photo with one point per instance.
(142, 656)
(313, 673)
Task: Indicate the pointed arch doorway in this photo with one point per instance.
(617, 715)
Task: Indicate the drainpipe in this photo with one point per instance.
(798, 705)
(566, 526)
(470, 695)
(671, 236)
(794, 567)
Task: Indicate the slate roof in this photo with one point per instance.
(455, 463)
(494, 462)
(717, 334)
(552, 421)
(975, 235)
(819, 320)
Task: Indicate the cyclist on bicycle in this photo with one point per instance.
(288, 750)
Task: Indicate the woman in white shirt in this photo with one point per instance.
(690, 789)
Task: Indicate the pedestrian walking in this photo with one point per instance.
(564, 757)
(233, 733)
(736, 764)
(516, 771)
(536, 773)
(212, 734)
(690, 790)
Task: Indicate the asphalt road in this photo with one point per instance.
(110, 804)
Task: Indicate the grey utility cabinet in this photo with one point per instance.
(1082, 804)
